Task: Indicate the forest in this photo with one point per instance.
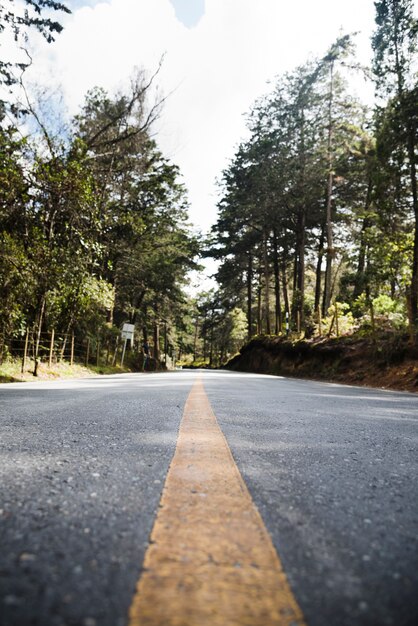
(317, 229)
(94, 228)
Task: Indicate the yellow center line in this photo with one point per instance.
(211, 561)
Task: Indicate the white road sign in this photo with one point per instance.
(128, 331)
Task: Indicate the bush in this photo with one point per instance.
(346, 324)
(389, 314)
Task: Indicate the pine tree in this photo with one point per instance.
(395, 45)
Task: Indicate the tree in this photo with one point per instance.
(285, 194)
(93, 224)
(394, 44)
(147, 243)
(15, 276)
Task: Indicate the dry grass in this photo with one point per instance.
(10, 371)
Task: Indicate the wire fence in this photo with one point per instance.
(45, 347)
(51, 348)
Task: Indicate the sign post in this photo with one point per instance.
(127, 334)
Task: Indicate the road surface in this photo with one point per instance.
(331, 469)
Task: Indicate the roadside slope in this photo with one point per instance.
(389, 362)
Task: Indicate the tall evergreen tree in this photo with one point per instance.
(395, 45)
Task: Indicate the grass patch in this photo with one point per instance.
(10, 371)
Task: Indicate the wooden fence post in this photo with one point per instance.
(331, 326)
(88, 351)
(72, 350)
(337, 326)
(98, 352)
(115, 356)
(36, 340)
(25, 351)
(372, 321)
(51, 347)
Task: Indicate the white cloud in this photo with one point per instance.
(214, 70)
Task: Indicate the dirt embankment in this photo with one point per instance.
(389, 362)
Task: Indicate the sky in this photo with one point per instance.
(189, 12)
(218, 58)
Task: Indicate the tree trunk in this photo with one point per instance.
(211, 340)
(295, 269)
(294, 307)
(301, 235)
(285, 290)
(413, 176)
(284, 277)
(196, 334)
(328, 267)
(110, 313)
(319, 268)
(166, 344)
(205, 337)
(301, 267)
(259, 319)
(39, 332)
(278, 306)
(249, 295)
(157, 342)
(267, 283)
(360, 279)
(329, 230)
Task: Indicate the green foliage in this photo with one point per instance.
(230, 333)
(388, 313)
(308, 149)
(322, 178)
(394, 44)
(93, 229)
(239, 328)
(384, 305)
(345, 322)
(219, 330)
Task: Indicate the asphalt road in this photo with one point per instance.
(332, 469)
